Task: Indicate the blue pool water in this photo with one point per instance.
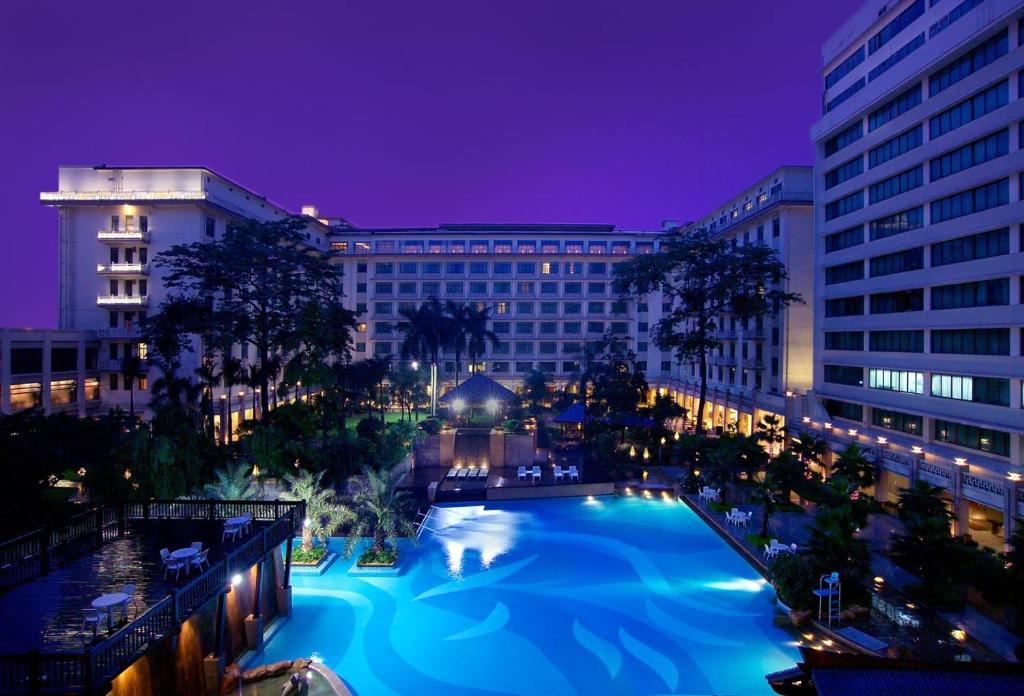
(569, 596)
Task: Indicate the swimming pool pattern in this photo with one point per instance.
(569, 596)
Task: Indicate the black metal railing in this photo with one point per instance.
(85, 670)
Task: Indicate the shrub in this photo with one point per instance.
(370, 429)
(308, 557)
(795, 577)
(431, 426)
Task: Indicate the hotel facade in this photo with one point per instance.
(918, 264)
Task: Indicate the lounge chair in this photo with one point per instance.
(473, 472)
(522, 473)
(536, 473)
(483, 473)
(574, 473)
(559, 474)
(463, 473)
(452, 473)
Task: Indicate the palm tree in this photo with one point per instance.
(380, 512)
(810, 448)
(854, 467)
(921, 502)
(426, 330)
(457, 332)
(478, 336)
(131, 368)
(234, 482)
(787, 471)
(324, 514)
(765, 490)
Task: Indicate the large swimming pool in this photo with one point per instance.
(571, 596)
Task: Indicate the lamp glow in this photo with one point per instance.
(458, 405)
(236, 580)
(492, 406)
(916, 449)
(960, 461)
(828, 425)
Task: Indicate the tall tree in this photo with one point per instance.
(261, 276)
(705, 279)
(852, 465)
(535, 388)
(426, 330)
(478, 336)
(458, 332)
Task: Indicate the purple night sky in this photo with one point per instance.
(411, 113)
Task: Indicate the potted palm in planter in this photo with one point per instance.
(380, 512)
(324, 515)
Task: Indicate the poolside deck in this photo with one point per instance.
(46, 612)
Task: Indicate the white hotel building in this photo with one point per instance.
(918, 212)
(756, 365)
(549, 286)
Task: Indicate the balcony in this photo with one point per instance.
(110, 365)
(122, 300)
(129, 268)
(122, 236)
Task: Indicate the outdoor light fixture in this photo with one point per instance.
(458, 405)
(828, 425)
(306, 522)
(806, 419)
(236, 580)
(958, 634)
(632, 451)
(916, 449)
(677, 436)
(960, 461)
(882, 440)
(789, 394)
(647, 455)
(127, 474)
(415, 365)
(1014, 473)
(492, 406)
(852, 432)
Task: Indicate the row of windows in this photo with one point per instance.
(984, 293)
(896, 184)
(897, 262)
(973, 437)
(845, 94)
(896, 380)
(844, 138)
(899, 301)
(897, 341)
(897, 106)
(971, 341)
(844, 68)
(943, 341)
(897, 223)
(974, 107)
(429, 288)
(982, 245)
(552, 268)
(894, 147)
(969, 63)
(504, 308)
(892, 29)
(844, 374)
(844, 239)
(952, 16)
(845, 306)
(991, 195)
(844, 340)
(844, 172)
(437, 246)
(844, 273)
(897, 420)
(845, 205)
(907, 48)
(970, 155)
(844, 409)
(981, 390)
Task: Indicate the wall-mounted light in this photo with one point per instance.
(882, 440)
(960, 461)
(852, 432)
(917, 449)
(828, 426)
(236, 580)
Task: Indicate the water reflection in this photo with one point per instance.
(488, 533)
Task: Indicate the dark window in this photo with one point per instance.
(844, 306)
(896, 420)
(844, 374)
(897, 223)
(844, 409)
(971, 341)
(844, 273)
(969, 63)
(971, 155)
(975, 246)
(983, 439)
(901, 301)
(895, 107)
(891, 30)
(951, 16)
(896, 184)
(843, 138)
(844, 239)
(904, 51)
(974, 200)
(844, 340)
(894, 147)
(984, 293)
(845, 205)
(897, 262)
(26, 361)
(844, 68)
(845, 94)
(910, 341)
(64, 359)
(984, 102)
(844, 172)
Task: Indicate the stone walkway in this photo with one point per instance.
(792, 527)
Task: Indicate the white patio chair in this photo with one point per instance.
(559, 474)
(231, 531)
(521, 472)
(574, 473)
(91, 618)
(130, 591)
(770, 551)
(197, 545)
(536, 473)
(200, 560)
